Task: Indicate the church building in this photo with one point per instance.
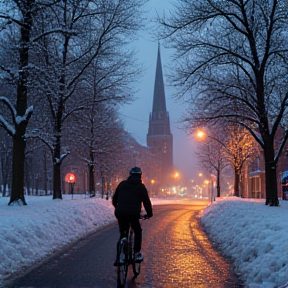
(159, 137)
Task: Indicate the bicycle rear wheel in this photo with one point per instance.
(122, 275)
(122, 268)
(135, 266)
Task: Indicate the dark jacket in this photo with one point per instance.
(129, 196)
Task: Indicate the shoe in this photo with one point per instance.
(138, 257)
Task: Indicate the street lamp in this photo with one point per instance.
(200, 134)
(71, 179)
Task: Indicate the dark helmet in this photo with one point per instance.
(135, 171)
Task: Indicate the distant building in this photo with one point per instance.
(159, 137)
(253, 176)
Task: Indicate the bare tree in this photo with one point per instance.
(100, 139)
(19, 15)
(239, 147)
(213, 156)
(93, 34)
(231, 59)
(110, 147)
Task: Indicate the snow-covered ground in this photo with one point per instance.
(254, 235)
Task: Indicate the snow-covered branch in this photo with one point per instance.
(25, 118)
(9, 128)
(62, 157)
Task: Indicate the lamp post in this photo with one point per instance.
(71, 179)
(152, 186)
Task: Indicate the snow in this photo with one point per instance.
(255, 236)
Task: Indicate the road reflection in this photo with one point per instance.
(179, 254)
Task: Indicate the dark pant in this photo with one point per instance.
(124, 223)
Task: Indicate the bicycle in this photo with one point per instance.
(125, 247)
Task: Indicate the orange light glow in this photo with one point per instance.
(70, 178)
(200, 134)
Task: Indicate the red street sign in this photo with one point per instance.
(70, 178)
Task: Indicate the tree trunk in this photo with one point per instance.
(57, 191)
(91, 181)
(270, 176)
(218, 180)
(17, 191)
(45, 174)
(103, 187)
(19, 141)
(236, 183)
(5, 171)
(91, 175)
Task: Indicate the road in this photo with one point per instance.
(177, 253)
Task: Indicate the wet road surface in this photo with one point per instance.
(177, 253)
(180, 254)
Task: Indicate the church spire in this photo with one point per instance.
(159, 137)
(159, 102)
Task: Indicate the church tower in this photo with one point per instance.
(159, 137)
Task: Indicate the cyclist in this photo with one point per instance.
(127, 200)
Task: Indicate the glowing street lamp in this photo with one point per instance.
(71, 179)
(200, 134)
